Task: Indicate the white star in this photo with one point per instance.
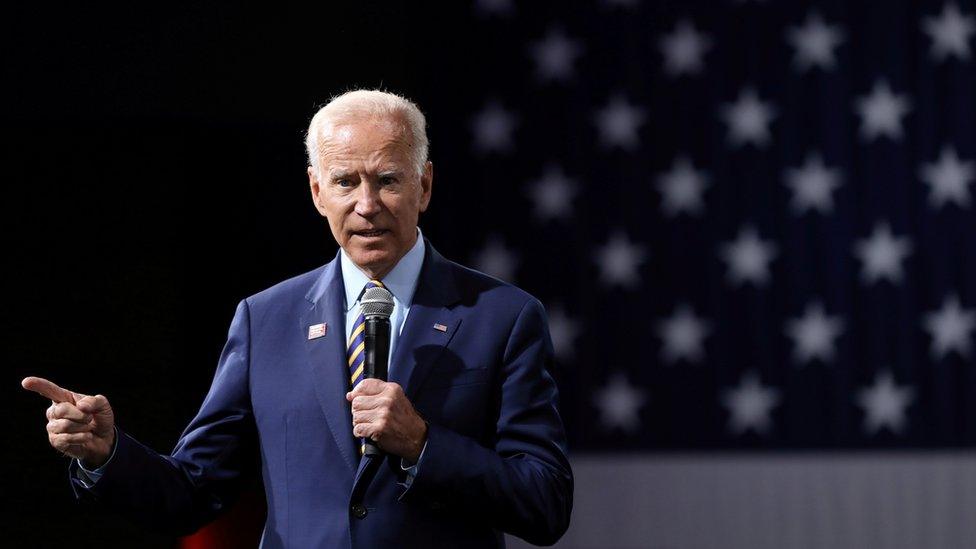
(554, 55)
(618, 123)
(564, 331)
(496, 260)
(813, 334)
(882, 254)
(884, 404)
(748, 258)
(682, 188)
(748, 119)
(949, 32)
(682, 336)
(493, 128)
(814, 43)
(552, 194)
(750, 405)
(812, 186)
(683, 49)
(950, 329)
(948, 179)
(881, 112)
(619, 403)
(494, 7)
(619, 260)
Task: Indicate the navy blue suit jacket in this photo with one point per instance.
(495, 459)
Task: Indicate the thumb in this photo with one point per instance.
(93, 404)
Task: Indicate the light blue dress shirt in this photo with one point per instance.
(401, 282)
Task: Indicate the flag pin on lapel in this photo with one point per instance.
(440, 327)
(317, 330)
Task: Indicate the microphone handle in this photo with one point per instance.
(377, 349)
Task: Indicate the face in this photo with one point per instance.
(370, 192)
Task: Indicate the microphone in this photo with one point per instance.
(377, 306)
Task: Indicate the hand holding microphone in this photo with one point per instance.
(381, 412)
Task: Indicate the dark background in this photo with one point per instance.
(154, 175)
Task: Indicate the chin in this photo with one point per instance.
(372, 260)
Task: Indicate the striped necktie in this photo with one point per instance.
(356, 352)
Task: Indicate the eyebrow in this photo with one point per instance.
(339, 174)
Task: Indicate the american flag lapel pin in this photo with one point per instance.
(317, 330)
(440, 327)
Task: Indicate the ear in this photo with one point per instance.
(426, 183)
(316, 189)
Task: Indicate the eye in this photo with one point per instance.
(388, 180)
(343, 182)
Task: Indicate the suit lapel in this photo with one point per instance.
(420, 342)
(326, 357)
(430, 325)
(421, 345)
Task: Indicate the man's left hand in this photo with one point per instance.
(382, 413)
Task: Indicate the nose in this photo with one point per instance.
(368, 202)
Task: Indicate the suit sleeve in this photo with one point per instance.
(524, 485)
(181, 492)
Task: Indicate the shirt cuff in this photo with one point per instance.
(87, 477)
(412, 469)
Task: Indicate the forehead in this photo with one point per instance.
(364, 138)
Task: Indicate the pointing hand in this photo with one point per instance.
(80, 426)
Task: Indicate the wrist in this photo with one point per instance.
(418, 445)
(92, 463)
(101, 455)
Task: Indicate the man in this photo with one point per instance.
(475, 446)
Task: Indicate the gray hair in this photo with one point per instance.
(365, 105)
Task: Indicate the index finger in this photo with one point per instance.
(368, 386)
(48, 389)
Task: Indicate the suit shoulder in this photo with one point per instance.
(291, 289)
(472, 282)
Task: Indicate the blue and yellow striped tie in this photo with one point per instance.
(356, 352)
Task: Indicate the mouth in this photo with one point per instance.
(371, 233)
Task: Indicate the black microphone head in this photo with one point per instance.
(377, 302)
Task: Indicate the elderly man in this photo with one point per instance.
(473, 442)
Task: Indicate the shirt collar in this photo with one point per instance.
(401, 281)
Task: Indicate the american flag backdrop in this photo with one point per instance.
(752, 223)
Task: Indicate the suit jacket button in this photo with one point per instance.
(359, 511)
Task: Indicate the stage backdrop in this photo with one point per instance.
(752, 224)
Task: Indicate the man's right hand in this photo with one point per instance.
(80, 426)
